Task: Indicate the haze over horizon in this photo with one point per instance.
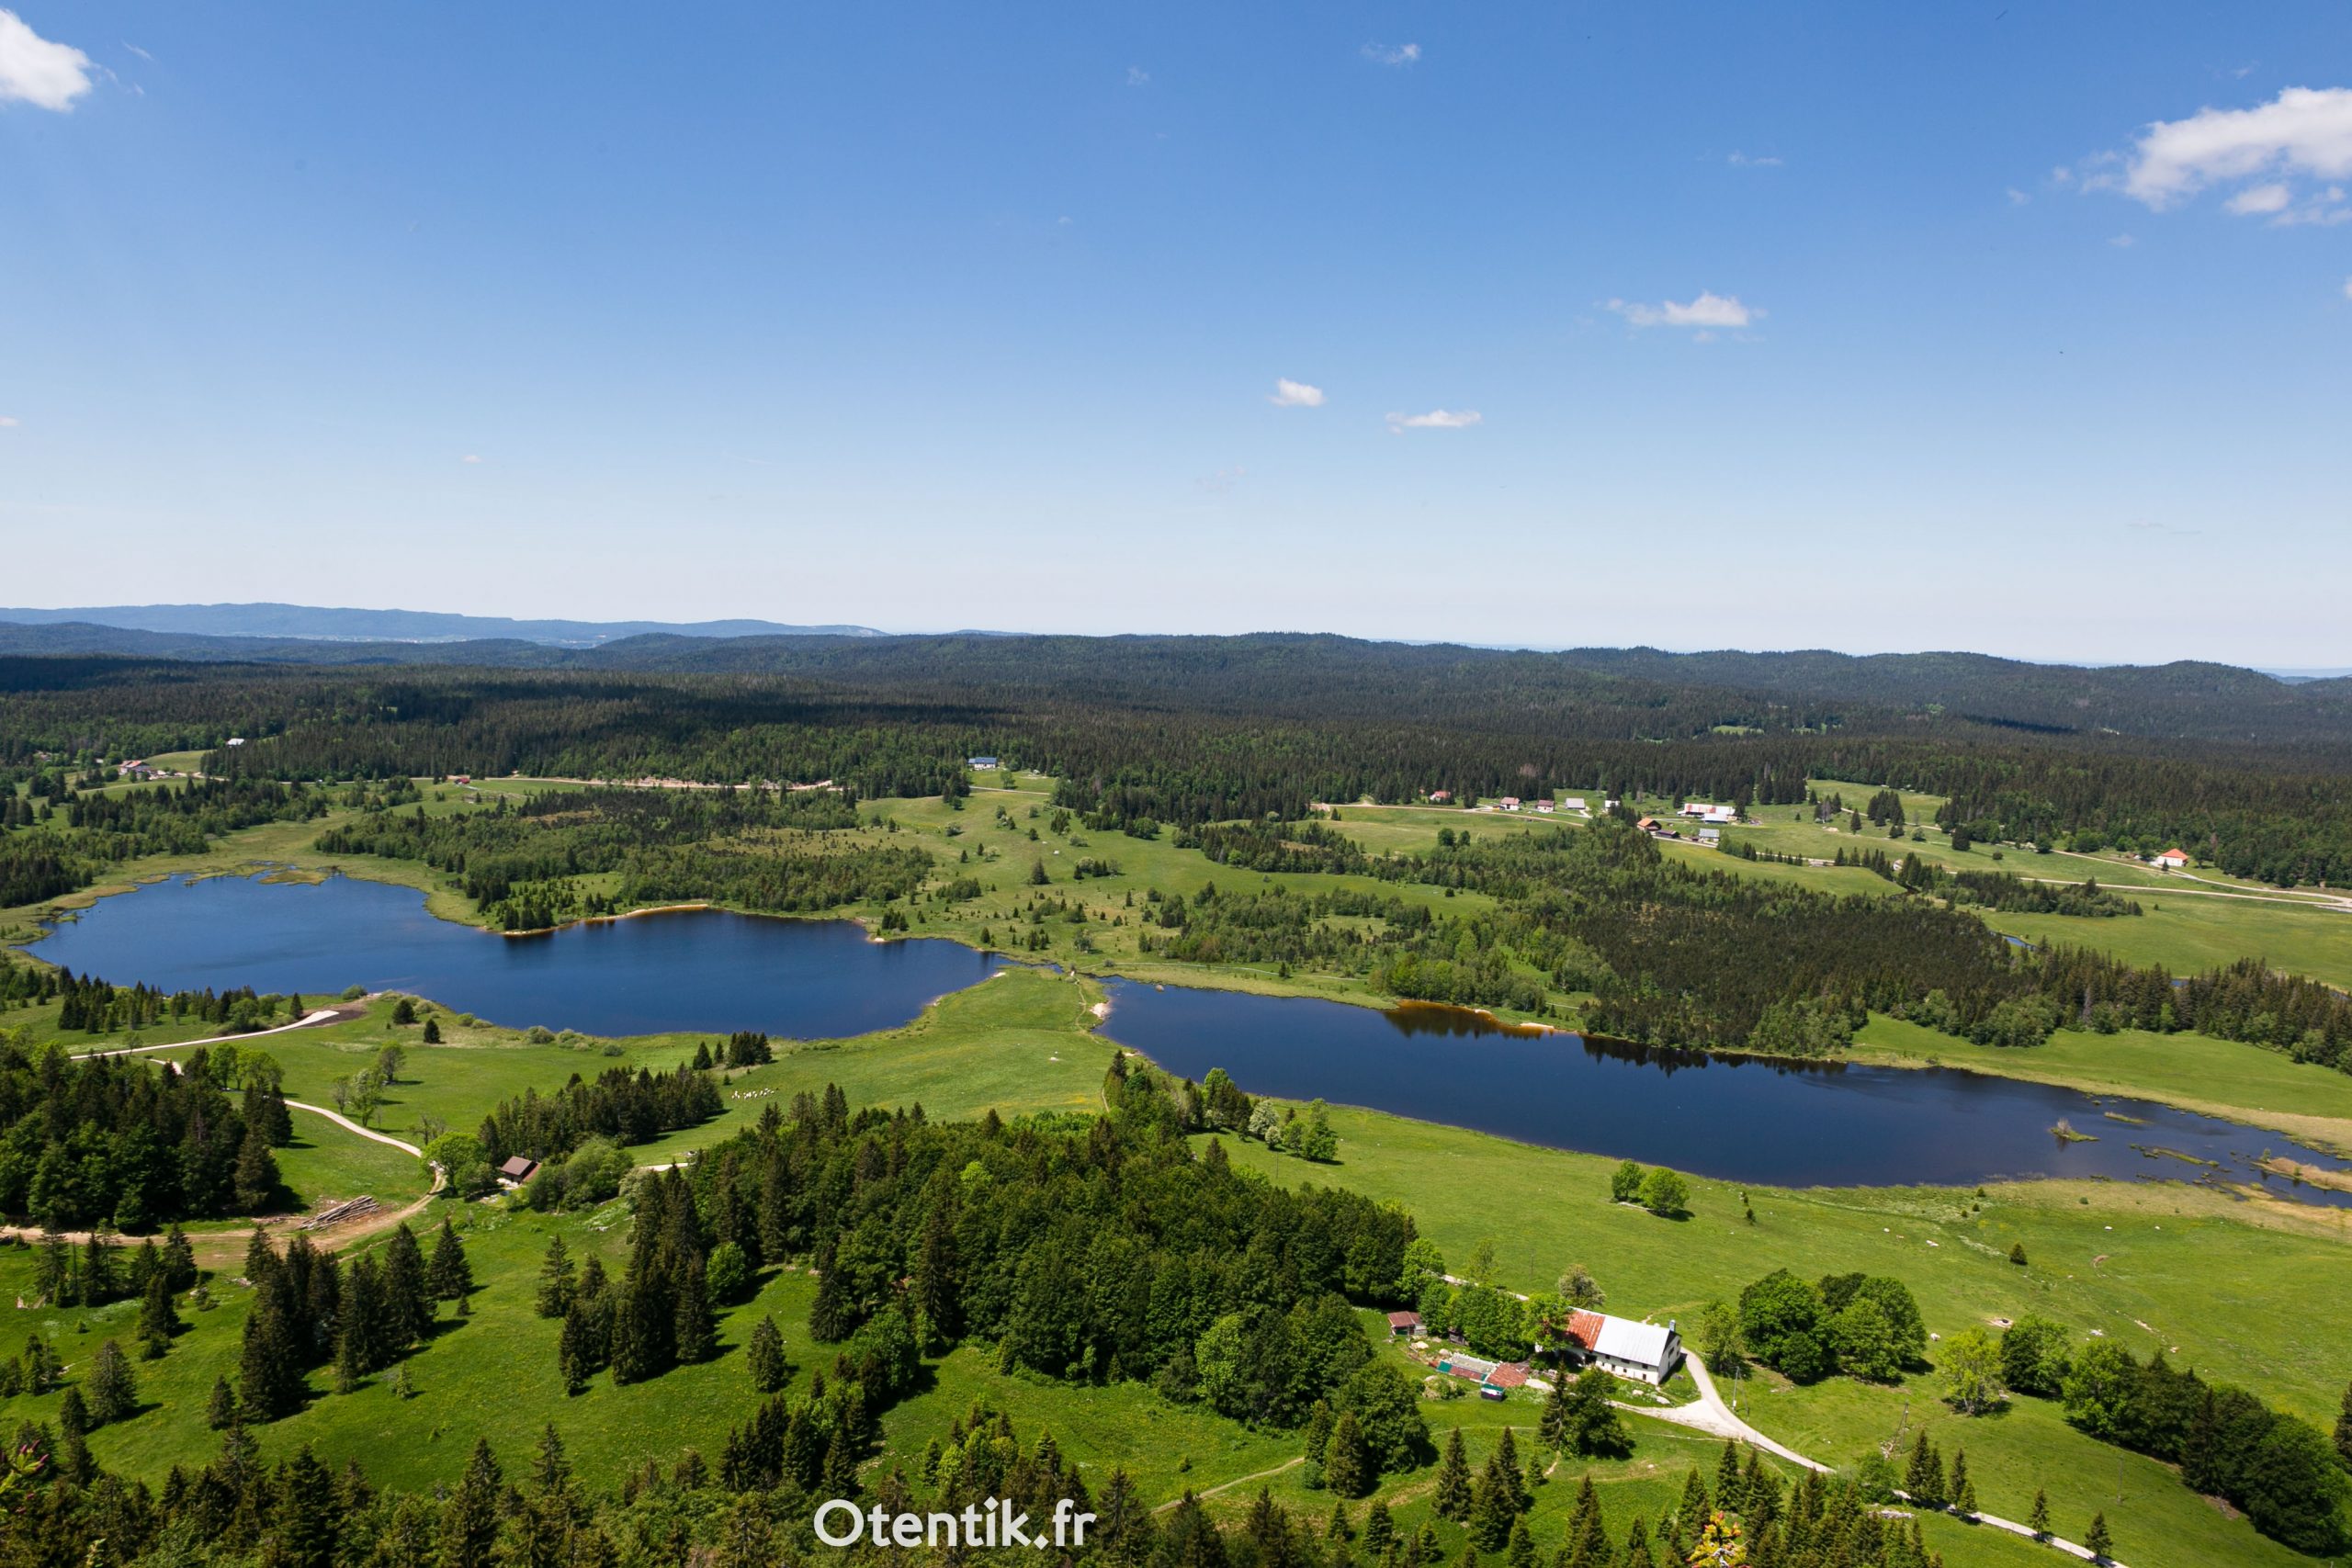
(2019, 334)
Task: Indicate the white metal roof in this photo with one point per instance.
(1622, 1338)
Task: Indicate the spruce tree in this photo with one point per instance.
(696, 1333)
(157, 1320)
(577, 1356)
(256, 1183)
(408, 1302)
(1637, 1547)
(1552, 1426)
(2039, 1519)
(1491, 1509)
(1452, 1501)
(764, 1356)
(1379, 1529)
(269, 1374)
(1731, 1496)
(1521, 1553)
(221, 1410)
(829, 1322)
(470, 1518)
(1588, 1545)
(73, 1460)
(449, 1278)
(114, 1391)
(2343, 1429)
(556, 1283)
(2096, 1539)
(306, 1523)
(1347, 1460)
(1923, 1479)
(1695, 1506)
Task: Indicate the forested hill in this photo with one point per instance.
(1311, 677)
(2216, 701)
(343, 624)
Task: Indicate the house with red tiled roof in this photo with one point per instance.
(1643, 1351)
(2173, 860)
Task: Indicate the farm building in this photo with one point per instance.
(1404, 1325)
(518, 1169)
(1439, 796)
(1509, 803)
(1547, 806)
(1719, 815)
(1643, 1351)
(1575, 802)
(981, 762)
(2173, 860)
(1713, 836)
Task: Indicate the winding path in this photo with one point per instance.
(1708, 1413)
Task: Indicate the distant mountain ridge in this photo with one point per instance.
(1320, 674)
(313, 623)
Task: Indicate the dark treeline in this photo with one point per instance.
(1190, 732)
(517, 860)
(98, 1007)
(56, 847)
(625, 1106)
(119, 1141)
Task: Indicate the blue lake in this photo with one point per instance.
(1779, 1124)
(693, 969)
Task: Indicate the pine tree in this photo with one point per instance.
(1452, 1500)
(577, 1355)
(449, 1278)
(2039, 1519)
(470, 1519)
(2343, 1429)
(1695, 1506)
(221, 1410)
(157, 1320)
(1379, 1529)
(1637, 1547)
(269, 1374)
(829, 1321)
(1521, 1553)
(1492, 1509)
(256, 1183)
(306, 1522)
(114, 1391)
(1552, 1426)
(73, 1460)
(555, 1284)
(363, 1327)
(550, 1471)
(697, 1335)
(1731, 1496)
(408, 1302)
(840, 1476)
(1923, 1481)
(764, 1356)
(1347, 1460)
(2096, 1539)
(1338, 1529)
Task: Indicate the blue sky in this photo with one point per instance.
(2025, 329)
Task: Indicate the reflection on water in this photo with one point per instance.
(1796, 1124)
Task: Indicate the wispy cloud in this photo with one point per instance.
(1222, 481)
(1436, 418)
(139, 51)
(2347, 294)
(2017, 198)
(9, 421)
(1753, 161)
(1708, 310)
(37, 72)
(1392, 53)
(1138, 76)
(470, 458)
(1290, 394)
(2304, 133)
(2122, 242)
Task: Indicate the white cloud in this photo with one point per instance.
(2122, 242)
(1709, 309)
(1436, 418)
(2017, 198)
(139, 51)
(2304, 130)
(9, 421)
(37, 72)
(1138, 76)
(2347, 294)
(1392, 53)
(1747, 161)
(1290, 394)
(470, 457)
(2259, 198)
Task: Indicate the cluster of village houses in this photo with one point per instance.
(1711, 818)
(1646, 1352)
